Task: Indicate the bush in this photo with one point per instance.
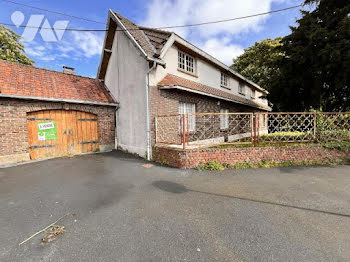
(211, 165)
(286, 136)
(343, 146)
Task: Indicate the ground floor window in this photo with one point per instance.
(190, 109)
(224, 118)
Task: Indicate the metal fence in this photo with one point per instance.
(210, 129)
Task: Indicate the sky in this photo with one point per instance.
(82, 50)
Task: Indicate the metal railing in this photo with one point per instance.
(210, 129)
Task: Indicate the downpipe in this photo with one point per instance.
(148, 112)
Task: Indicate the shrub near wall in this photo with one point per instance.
(300, 153)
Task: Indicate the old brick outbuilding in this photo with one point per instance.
(46, 114)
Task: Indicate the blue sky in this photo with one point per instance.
(82, 50)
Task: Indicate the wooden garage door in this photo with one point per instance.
(54, 133)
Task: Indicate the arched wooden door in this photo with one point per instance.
(55, 133)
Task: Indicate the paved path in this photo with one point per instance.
(126, 212)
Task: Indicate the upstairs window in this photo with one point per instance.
(241, 88)
(190, 110)
(224, 118)
(186, 62)
(223, 80)
(252, 94)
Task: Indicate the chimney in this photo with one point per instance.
(68, 70)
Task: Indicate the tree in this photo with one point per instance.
(259, 62)
(310, 67)
(315, 72)
(10, 47)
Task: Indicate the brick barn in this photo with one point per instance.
(45, 114)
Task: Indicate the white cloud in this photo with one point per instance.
(75, 45)
(222, 50)
(216, 39)
(89, 43)
(37, 51)
(198, 11)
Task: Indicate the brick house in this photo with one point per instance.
(153, 72)
(46, 114)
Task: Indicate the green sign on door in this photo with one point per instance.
(47, 131)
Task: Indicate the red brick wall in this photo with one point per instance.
(13, 123)
(192, 158)
(165, 102)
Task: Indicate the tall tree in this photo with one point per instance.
(10, 47)
(315, 73)
(259, 62)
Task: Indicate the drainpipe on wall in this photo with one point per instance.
(148, 112)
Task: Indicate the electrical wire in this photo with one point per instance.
(160, 28)
(54, 12)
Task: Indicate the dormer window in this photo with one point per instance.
(186, 62)
(224, 80)
(241, 88)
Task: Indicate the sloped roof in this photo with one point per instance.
(157, 37)
(173, 81)
(137, 34)
(23, 80)
(152, 41)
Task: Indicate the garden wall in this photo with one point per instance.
(193, 157)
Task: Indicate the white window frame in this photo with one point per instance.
(224, 118)
(224, 80)
(190, 110)
(186, 63)
(264, 120)
(241, 88)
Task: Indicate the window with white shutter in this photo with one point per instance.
(224, 118)
(189, 109)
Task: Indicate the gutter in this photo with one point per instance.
(214, 96)
(59, 100)
(148, 122)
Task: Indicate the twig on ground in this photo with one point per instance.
(42, 230)
(52, 233)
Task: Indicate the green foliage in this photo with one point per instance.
(315, 70)
(259, 62)
(265, 144)
(214, 165)
(270, 164)
(211, 165)
(309, 68)
(10, 47)
(343, 146)
(332, 128)
(164, 161)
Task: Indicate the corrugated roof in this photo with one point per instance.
(23, 80)
(172, 81)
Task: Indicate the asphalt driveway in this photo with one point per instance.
(127, 212)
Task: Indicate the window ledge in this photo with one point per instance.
(226, 87)
(241, 93)
(186, 72)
